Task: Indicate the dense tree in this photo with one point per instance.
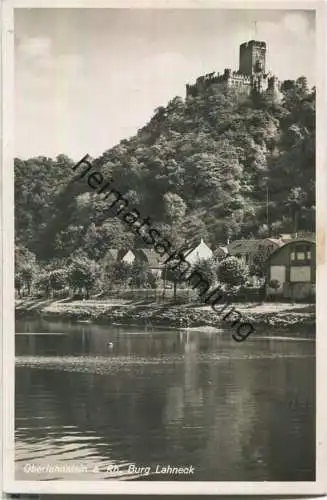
(23, 257)
(27, 274)
(215, 166)
(19, 283)
(172, 272)
(207, 269)
(175, 207)
(232, 272)
(42, 283)
(139, 273)
(83, 274)
(58, 279)
(25, 269)
(121, 272)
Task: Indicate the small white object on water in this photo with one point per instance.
(110, 344)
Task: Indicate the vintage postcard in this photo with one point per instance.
(163, 203)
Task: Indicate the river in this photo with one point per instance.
(101, 402)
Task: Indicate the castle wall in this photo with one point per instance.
(250, 77)
(240, 83)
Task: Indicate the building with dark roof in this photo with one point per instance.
(292, 270)
(246, 249)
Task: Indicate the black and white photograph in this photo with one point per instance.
(164, 247)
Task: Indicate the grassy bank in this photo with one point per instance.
(167, 314)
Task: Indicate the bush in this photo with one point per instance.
(275, 284)
(232, 272)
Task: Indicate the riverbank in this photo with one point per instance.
(262, 316)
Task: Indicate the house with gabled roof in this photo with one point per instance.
(128, 257)
(197, 251)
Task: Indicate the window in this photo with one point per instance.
(300, 253)
(278, 273)
(300, 274)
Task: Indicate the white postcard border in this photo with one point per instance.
(8, 324)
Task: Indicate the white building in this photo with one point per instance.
(128, 257)
(201, 251)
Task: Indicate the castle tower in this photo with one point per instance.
(252, 57)
(274, 89)
(251, 77)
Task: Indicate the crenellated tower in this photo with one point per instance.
(251, 77)
(252, 58)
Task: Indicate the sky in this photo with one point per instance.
(87, 78)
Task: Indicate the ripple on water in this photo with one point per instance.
(105, 365)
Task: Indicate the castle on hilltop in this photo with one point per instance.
(251, 76)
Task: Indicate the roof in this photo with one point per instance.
(242, 246)
(124, 252)
(250, 246)
(299, 240)
(277, 241)
(308, 238)
(291, 242)
(286, 236)
(190, 247)
(301, 235)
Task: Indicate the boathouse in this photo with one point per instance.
(292, 270)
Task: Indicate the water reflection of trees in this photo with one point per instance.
(231, 417)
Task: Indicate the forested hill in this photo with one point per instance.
(201, 167)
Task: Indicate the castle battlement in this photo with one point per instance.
(250, 77)
(253, 43)
(240, 77)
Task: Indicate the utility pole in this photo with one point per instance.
(295, 223)
(267, 208)
(255, 29)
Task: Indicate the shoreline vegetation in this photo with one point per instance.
(267, 316)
